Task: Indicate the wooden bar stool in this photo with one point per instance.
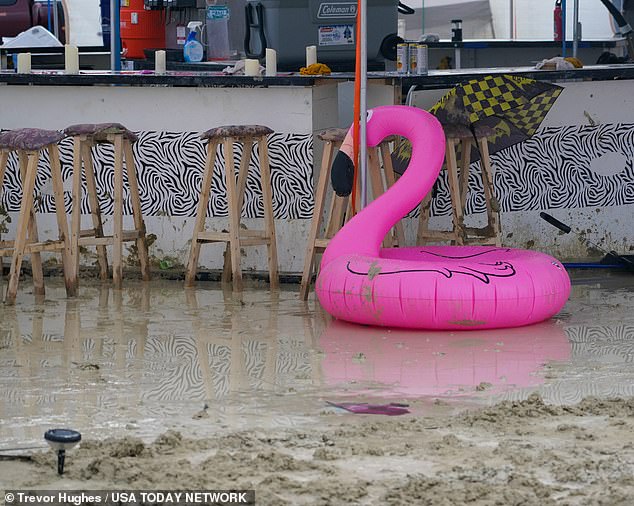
(236, 237)
(492, 232)
(30, 144)
(458, 183)
(340, 211)
(85, 136)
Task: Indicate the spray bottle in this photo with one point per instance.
(193, 50)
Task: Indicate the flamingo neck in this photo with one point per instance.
(364, 234)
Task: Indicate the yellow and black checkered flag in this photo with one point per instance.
(513, 106)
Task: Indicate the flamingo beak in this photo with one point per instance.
(342, 172)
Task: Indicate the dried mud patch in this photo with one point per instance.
(513, 453)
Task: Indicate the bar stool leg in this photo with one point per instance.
(454, 191)
(465, 167)
(493, 206)
(315, 226)
(139, 224)
(269, 219)
(36, 257)
(423, 220)
(463, 184)
(390, 179)
(377, 186)
(338, 210)
(247, 149)
(234, 215)
(201, 214)
(95, 209)
(117, 247)
(70, 270)
(4, 158)
(75, 222)
(23, 224)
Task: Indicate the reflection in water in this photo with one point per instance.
(419, 363)
(149, 357)
(145, 356)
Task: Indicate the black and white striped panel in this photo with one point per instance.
(172, 367)
(615, 343)
(552, 170)
(170, 167)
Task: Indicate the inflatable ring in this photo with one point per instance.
(438, 287)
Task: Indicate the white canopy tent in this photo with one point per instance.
(483, 19)
(437, 15)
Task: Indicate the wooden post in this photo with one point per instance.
(117, 247)
(24, 220)
(71, 271)
(315, 226)
(95, 208)
(269, 218)
(135, 199)
(201, 213)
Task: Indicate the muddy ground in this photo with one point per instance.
(513, 453)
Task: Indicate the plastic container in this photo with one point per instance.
(193, 50)
(140, 29)
(289, 26)
(217, 17)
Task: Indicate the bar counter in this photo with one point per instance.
(578, 166)
(194, 75)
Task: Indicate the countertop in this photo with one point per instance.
(435, 78)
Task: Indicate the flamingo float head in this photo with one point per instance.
(382, 122)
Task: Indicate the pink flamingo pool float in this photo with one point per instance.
(436, 287)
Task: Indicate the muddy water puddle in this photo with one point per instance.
(155, 356)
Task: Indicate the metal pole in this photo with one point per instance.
(363, 148)
(575, 28)
(563, 28)
(115, 48)
(56, 21)
(512, 19)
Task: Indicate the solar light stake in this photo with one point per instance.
(61, 440)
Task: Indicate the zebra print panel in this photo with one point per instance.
(609, 345)
(615, 342)
(173, 365)
(170, 167)
(552, 170)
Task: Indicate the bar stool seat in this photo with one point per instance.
(29, 139)
(458, 183)
(99, 132)
(340, 209)
(29, 144)
(85, 136)
(236, 131)
(236, 237)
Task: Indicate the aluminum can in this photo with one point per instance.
(402, 61)
(418, 62)
(413, 59)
